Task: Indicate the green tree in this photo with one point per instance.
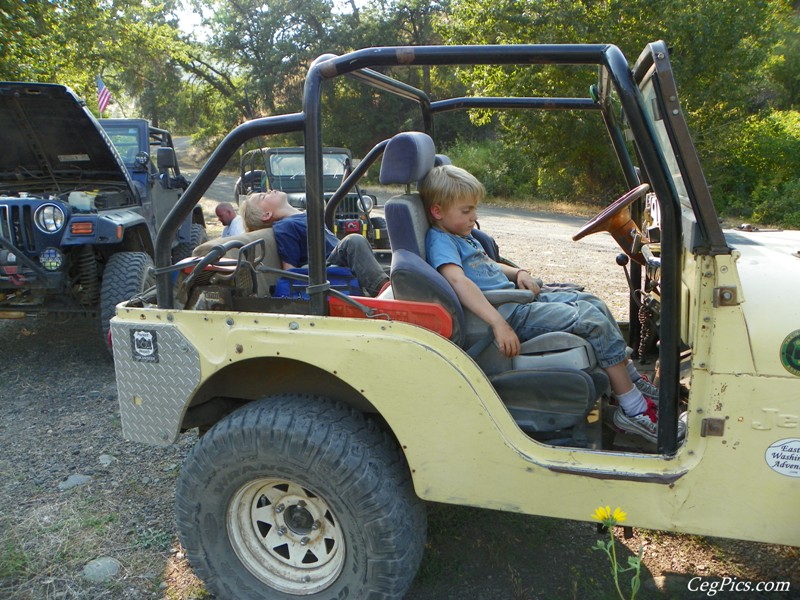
(268, 44)
(719, 50)
(71, 41)
(783, 66)
(53, 42)
(354, 114)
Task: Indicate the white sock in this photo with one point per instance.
(633, 372)
(632, 403)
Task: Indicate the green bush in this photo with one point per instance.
(505, 172)
(779, 204)
(754, 170)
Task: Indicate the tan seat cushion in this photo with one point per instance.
(271, 258)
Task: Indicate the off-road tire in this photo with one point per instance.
(378, 222)
(197, 236)
(126, 274)
(237, 191)
(251, 486)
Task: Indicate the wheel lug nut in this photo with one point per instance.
(304, 541)
(301, 503)
(315, 525)
(282, 531)
(279, 508)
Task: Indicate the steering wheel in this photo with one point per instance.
(616, 219)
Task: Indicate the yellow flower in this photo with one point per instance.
(608, 518)
(602, 514)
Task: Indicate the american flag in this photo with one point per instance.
(103, 95)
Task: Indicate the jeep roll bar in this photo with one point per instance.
(359, 64)
(350, 181)
(205, 177)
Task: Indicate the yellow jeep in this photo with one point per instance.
(327, 420)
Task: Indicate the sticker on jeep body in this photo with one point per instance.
(784, 457)
(790, 353)
(144, 345)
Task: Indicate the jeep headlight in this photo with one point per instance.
(367, 202)
(49, 218)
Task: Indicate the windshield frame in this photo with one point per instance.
(124, 129)
(653, 74)
(294, 180)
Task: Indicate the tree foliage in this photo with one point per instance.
(266, 48)
(718, 52)
(737, 65)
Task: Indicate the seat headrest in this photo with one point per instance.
(441, 159)
(407, 224)
(407, 158)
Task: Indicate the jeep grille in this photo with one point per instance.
(16, 226)
(348, 208)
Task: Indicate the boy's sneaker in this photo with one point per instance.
(645, 424)
(644, 385)
(386, 285)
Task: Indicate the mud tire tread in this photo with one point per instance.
(328, 446)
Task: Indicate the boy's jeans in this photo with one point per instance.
(582, 318)
(355, 253)
(574, 296)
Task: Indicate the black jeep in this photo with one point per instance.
(80, 203)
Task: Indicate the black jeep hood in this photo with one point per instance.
(48, 136)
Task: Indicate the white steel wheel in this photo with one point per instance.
(286, 535)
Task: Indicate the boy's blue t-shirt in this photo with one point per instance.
(446, 248)
(291, 238)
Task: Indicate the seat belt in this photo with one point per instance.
(481, 345)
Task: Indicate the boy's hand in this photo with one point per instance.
(506, 339)
(473, 299)
(525, 281)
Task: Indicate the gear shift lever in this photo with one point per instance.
(622, 261)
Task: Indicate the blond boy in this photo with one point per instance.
(451, 196)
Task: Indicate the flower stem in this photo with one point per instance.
(614, 562)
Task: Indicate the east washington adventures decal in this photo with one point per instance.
(784, 457)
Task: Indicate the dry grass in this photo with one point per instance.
(577, 209)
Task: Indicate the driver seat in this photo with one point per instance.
(555, 382)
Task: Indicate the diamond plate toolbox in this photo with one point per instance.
(157, 370)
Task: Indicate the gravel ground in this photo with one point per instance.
(72, 490)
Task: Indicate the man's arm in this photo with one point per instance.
(472, 298)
